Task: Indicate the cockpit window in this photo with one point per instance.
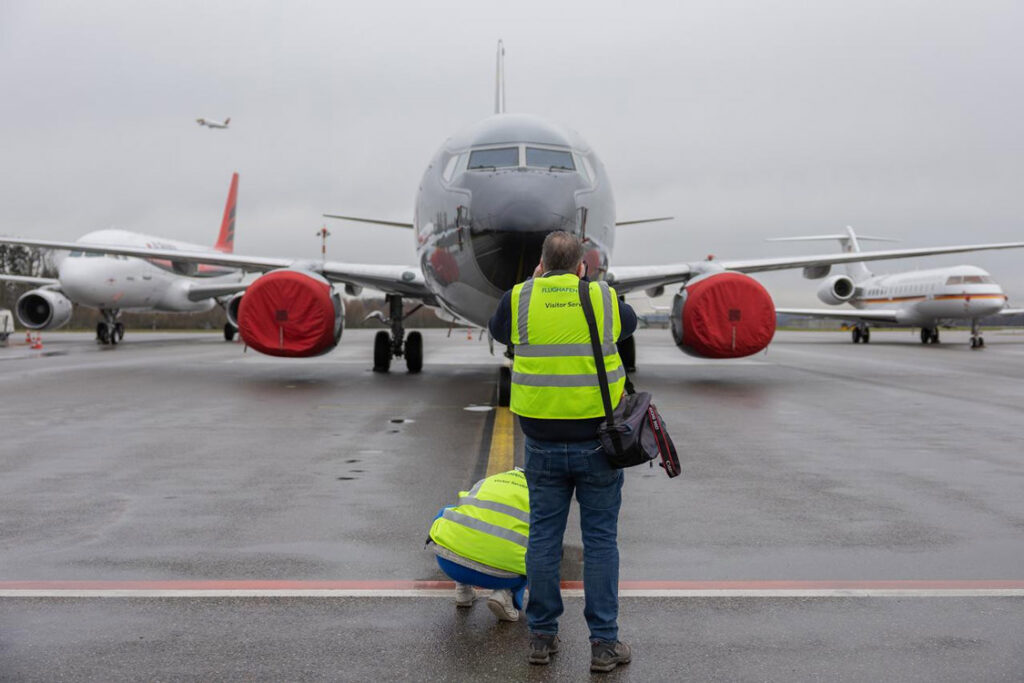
(494, 158)
(92, 254)
(449, 169)
(554, 159)
(74, 254)
(969, 280)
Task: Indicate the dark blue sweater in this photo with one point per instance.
(555, 430)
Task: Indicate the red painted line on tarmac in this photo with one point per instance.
(276, 585)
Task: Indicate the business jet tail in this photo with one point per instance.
(849, 241)
(226, 239)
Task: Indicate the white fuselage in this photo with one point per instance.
(127, 283)
(925, 297)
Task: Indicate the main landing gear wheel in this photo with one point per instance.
(103, 333)
(118, 332)
(414, 352)
(504, 386)
(229, 332)
(855, 335)
(382, 352)
(929, 335)
(627, 353)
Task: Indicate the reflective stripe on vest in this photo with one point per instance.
(521, 515)
(552, 350)
(480, 525)
(553, 374)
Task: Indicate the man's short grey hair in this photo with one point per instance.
(561, 251)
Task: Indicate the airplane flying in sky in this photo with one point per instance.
(120, 282)
(210, 123)
(487, 199)
(913, 298)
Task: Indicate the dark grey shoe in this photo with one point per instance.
(542, 646)
(605, 656)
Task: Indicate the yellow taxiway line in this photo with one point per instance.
(502, 456)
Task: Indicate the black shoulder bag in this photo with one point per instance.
(634, 433)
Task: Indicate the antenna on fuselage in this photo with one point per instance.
(499, 81)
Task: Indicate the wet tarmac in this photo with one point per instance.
(179, 458)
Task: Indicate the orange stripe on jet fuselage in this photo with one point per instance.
(968, 297)
(940, 297)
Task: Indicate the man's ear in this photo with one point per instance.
(581, 270)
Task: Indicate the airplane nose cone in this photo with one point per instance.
(522, 201)
(511, 212)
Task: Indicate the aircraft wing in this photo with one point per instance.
(874, 316)
(199, 292)
(27, 280)
(405, 280)
(627, 278)
(765, 264)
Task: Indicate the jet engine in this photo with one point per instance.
(294, 313)
(43, 309)
(231, 308)
(723, 315)
(836, 290)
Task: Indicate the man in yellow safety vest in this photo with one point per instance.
(482, 542)
(556, 394)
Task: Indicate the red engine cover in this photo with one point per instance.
(290, 313)
(724, 315)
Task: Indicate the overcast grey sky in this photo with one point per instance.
(744, 120)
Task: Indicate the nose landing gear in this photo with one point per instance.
(929, 335)
(977, 341)
(110, 330)
(387, 346)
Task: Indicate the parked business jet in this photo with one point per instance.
(210, 123)
(915, 298)
(486, 201)
(115, 282)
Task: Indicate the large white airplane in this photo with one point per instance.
(487, 199)
(115, 282)
(210, 123)
(913, 298)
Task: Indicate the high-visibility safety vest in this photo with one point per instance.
(491, 523)
(554, 376)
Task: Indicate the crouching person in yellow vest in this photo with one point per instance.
(482, 542)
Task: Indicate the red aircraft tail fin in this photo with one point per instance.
(226, 239)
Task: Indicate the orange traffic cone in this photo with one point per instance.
(28, 337)
(469, 334)
(38, 345)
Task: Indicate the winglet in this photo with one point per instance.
(499, 81)
(227, 121)
(226, 239)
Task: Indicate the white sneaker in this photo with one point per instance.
(501, 604)
(464, 595)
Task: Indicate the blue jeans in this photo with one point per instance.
(553, 471)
